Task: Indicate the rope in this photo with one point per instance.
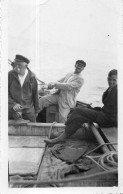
(91, 158)
(51, 129)
(99, 147)
(107, 161)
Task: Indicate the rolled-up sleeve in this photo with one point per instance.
(69, 86)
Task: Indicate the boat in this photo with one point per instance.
(32, 163)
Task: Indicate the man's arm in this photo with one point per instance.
(35, 96)
(77, 83)
(51, 84)
(11, 101)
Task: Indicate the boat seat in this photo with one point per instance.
(52, 113)
(18, 121)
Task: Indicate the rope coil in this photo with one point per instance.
(108, 161)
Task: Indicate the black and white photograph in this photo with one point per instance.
(60, 90)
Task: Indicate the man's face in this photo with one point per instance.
(112, 81)
(20, 67)
(79, 68)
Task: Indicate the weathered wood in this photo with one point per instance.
(36, 124)
(51, 165)
(26, 141)
(32, 129)
(99, 179)
(99, 138)
(24, 161)
(52, 113)
(47, 172)
(42, 129)
(18, 122)
(112, 135)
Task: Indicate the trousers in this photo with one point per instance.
(82, 115)
(27, 116)
(50, 99)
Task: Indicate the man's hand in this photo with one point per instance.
(44, 87)
(17, 107)
(51, 85)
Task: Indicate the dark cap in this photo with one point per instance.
(22, 58)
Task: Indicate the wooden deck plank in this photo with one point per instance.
(33, 129)
(26, 141)
(24, 161)
(14, 123)
(111, 134)
(51, 166)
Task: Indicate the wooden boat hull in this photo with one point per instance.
(48, 174)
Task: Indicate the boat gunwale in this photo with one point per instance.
(14, 123)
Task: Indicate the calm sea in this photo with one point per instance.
(53, 62)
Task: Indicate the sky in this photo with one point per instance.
(53, 34)
(82, 24)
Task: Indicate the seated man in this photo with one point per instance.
(22, 91)
(68, 88)
(106, 117)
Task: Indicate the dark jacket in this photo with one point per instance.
(27, 95)
(108, 114)
(109, 100)
(105, 117)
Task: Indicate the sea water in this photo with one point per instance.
(54, 61)
(61, 33)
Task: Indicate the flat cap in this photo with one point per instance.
(22, 58)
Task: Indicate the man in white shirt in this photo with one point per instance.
(68, 88)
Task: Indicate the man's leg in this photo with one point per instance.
(89, 114)
(47, 100)
(29, 116)
(75, 121)
(63, 110)
(70, 129)
(63, 113)
(57, 139)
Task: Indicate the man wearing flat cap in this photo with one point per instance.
(68, 87)
(23, 91)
